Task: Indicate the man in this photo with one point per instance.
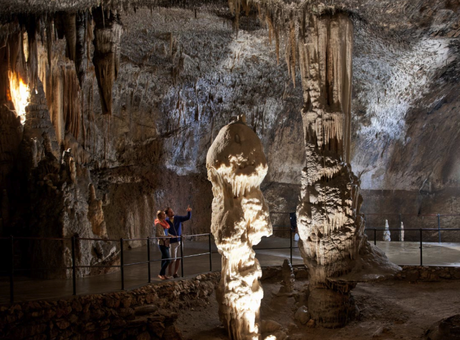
(175, 223)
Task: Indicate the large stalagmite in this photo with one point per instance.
(331, 228)
(236, 167)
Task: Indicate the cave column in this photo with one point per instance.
(330, 227)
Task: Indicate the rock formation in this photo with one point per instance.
(401, 232)
(236, 167)
(287, 284)
(330, 225)
(106, 54)
(386, 232)
(140, 106)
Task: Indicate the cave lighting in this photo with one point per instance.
(19, 96)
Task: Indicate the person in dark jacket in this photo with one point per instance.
(175, 229)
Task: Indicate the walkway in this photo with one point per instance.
(402, 253)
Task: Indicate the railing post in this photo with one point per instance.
(181, 256)
(421, 247)
(210, 253)
(290, 245)
(148, 260)
(375, 237)
(122, 269)
(12, 271)
(74, 268)
(439, 228)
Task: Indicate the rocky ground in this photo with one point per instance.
(387, 310)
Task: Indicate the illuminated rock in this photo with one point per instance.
(236, 167)
(386, 232)
(331, 228)
(401, 235)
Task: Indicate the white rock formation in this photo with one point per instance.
(401, 235)
(386, 232)
(236, 166)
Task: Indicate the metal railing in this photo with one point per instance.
(420, 238)
(74, 267)
(413, 218)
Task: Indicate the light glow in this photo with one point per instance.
(19, 96)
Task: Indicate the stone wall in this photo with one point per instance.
(428, 274)
(145, 313)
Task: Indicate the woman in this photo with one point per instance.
(163, 242)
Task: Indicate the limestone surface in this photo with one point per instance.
(240, 218)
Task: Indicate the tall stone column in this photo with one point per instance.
(236, 166)
(330, 226)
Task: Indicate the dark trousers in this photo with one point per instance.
(164, 255)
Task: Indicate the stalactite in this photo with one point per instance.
(107, 35)
(80, 47)
(292, 51)
(49, 38)
(25, 46)
(270, 29)
(71, 101)
(69, 21)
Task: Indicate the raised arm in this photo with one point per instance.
(185, 218)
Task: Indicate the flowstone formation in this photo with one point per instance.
(331, 228)
(236, 167)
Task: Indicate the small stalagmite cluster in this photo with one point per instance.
(236, 167)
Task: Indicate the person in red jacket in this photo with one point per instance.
(161, 227)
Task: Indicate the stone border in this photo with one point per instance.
(139, 313)
(143, 313)
(428, 274)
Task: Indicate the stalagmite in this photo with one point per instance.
(331, 229)
(401, 236)
(96, 214)
(287, 284)
(36, 125)
(386, 232)
(236, 167)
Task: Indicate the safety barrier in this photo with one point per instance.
(74, 267)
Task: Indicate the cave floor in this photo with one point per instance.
(402, 253)
(387, 310)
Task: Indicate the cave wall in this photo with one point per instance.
(405, 105)
(175, 77)
(189, 84)
(92, 170)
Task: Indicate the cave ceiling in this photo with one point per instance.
(405, 81)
